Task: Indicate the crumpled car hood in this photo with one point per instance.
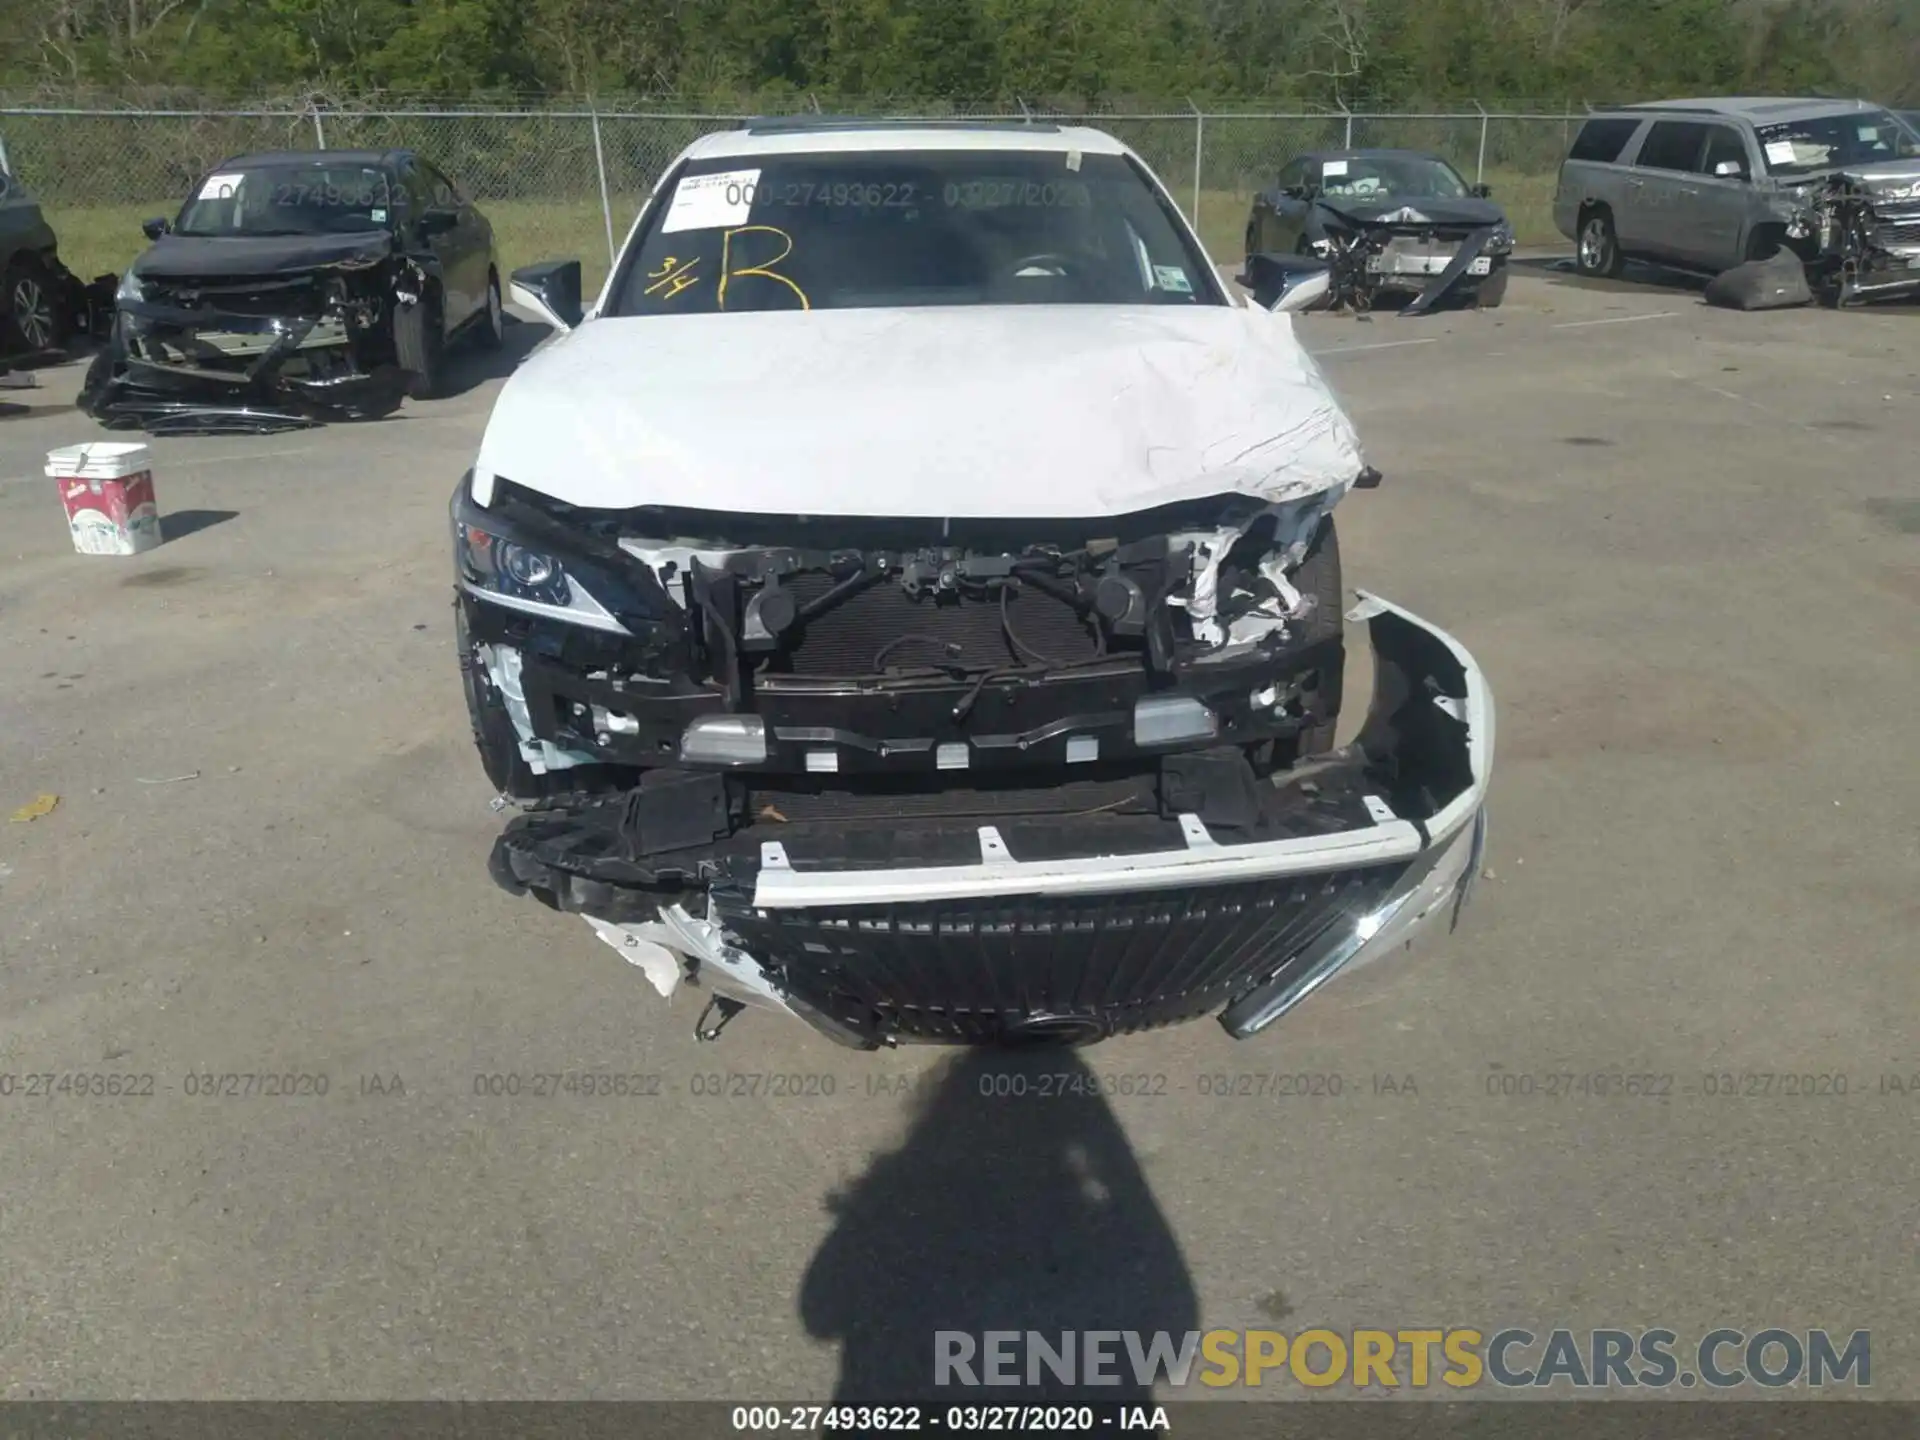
(1888, 179)
(1389, 211)
(1007, 411)
(186, 256)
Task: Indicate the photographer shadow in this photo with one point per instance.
(1015, 1203)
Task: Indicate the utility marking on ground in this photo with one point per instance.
(1752, 404)
(1616, 320)
(1380, 345)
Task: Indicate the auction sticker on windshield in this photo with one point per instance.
(708, 202)
(1780, 152)
(220, 187)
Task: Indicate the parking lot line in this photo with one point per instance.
(1380, 345)
(1616, 320)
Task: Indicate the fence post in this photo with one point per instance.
(1347, 144)
(1480, 166)
(1199, 154)
(319, 130)
(600, 164)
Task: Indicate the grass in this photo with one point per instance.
(96, 240)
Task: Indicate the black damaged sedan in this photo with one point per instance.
(1384, 222)
(296, 288)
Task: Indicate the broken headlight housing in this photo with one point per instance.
(497, 565)
(520, 555)
(508, 570)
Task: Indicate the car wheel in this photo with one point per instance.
(34, 318)
(1598, 254)
(493, 324)
(493, 733)
(420, 345)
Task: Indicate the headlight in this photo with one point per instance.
(492, 567)
(1502, 240)
(132, 287)
(519, 558)
(509, 570)
(529, 569)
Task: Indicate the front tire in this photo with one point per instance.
(420, 345)
(493, 322)
(1597, 253)
(494, 735)
(1492, 291)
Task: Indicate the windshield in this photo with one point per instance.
(1859, 137)
(292, 199)
(1366, 177)
(840, 231)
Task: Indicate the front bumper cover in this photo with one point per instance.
(253, 394)
(1368, 260)
(1080, 925)
(1866, 239)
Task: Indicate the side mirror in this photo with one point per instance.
(156, 227)
(551, 290)
(1287, 283)
(1295, 192)
(1483, 192)
(1730, 170)
(438, 221)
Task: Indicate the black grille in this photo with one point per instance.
(978, 971)
(846, 639)
(1900, 232)
(264, 296)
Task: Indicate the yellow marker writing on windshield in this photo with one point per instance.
(673, 276)
(765, 269)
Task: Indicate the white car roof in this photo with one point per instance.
(788, 137)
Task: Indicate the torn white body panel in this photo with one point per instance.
(1003, 412)
(1294, 525)
(676, 945)
(503, 664)
(661, 966)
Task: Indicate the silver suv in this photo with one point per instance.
(1705, 185)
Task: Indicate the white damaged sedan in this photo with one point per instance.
(909, 599)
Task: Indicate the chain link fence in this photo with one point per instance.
(568, 180)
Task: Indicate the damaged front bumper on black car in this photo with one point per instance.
(250, 354)
(736, 789)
